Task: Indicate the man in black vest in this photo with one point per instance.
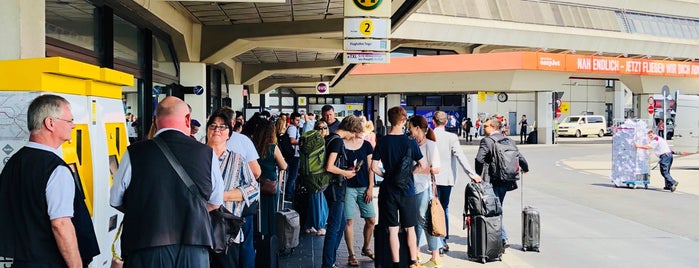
(164, 224)
(46, 222)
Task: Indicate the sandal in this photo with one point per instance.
(352, 261)
(367, 252)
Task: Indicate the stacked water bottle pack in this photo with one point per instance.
(630, 165)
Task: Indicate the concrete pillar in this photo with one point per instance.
(194, 74)
(392, 100)
(619, 104)
(22, 23)
(472, 107)
(544, 116)
(235, 92)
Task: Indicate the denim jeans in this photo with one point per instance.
(334, 232)
(665, 164)
(500, 192)
(247, 250)
(443, 193)
(423, 201)
(293, 172)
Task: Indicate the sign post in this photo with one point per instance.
(367, 27)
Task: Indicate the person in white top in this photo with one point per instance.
(450, 153)
(425, 188)
(662, 150)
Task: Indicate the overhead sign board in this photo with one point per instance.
(367, 57)
(367, 44)
(368, 8)
(366, 28)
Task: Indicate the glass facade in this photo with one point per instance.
(72, 22)
(126, 45)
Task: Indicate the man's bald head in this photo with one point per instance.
(173, 112)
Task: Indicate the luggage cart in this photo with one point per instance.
(630, 166)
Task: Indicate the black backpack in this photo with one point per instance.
(284, 142)
(481, 200)
(505, 159)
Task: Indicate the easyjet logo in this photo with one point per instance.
(545, 61)
(367, 5)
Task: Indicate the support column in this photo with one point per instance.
(22, 23)
(392, 100)
(544, 117)
(194, 74)
(472, 107)
(236, 95)
(619, 104)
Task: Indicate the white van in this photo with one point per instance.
(579, 125)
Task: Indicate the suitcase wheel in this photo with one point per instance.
(483, 260)
(524, 249)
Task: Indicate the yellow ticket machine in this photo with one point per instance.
(98, 139)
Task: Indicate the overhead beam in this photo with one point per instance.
(269, 84)
(241, 46)
(255, 72)
(219, 37)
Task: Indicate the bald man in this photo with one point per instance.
(164, 225)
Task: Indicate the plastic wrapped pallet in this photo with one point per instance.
(628, 163)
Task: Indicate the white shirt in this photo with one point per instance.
(293, 132)
(449, 150)
(430, 152)
(122, 179)
(60, 188)
(241, 144)
(659, 146)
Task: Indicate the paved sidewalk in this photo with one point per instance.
(684, 170)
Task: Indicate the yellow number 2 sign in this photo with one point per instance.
(366, 27)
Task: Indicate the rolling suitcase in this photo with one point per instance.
(288, 227)
(531, 229)
(485, 238)
(382, 250)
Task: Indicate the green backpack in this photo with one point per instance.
(312, 171)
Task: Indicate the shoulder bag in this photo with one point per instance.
(225, 225)
(402, 173)
(436, 219)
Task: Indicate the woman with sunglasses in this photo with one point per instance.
(239, 183)
(317, 215)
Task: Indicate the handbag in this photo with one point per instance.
(268, 187)
(221, 219)
(225, 225)
(436, 220)
(437, 225)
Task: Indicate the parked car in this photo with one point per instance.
(579, 125)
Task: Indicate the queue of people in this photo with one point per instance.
(165, 226)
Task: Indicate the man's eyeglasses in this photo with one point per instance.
(219, 127)
(71, 121)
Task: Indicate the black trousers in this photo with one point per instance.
(168, 256)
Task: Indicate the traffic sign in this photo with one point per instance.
(367, 44)
(666, 91)
(651, 101)
(651, 109)
(558, 113)
(368, 8)
(367, 57)
(366, 28)
(322, 88)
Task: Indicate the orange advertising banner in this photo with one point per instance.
(531, 61)
(611, 65)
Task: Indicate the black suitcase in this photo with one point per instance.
(266, 251)
(530, 229)
(485, 238)
(382, 249)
